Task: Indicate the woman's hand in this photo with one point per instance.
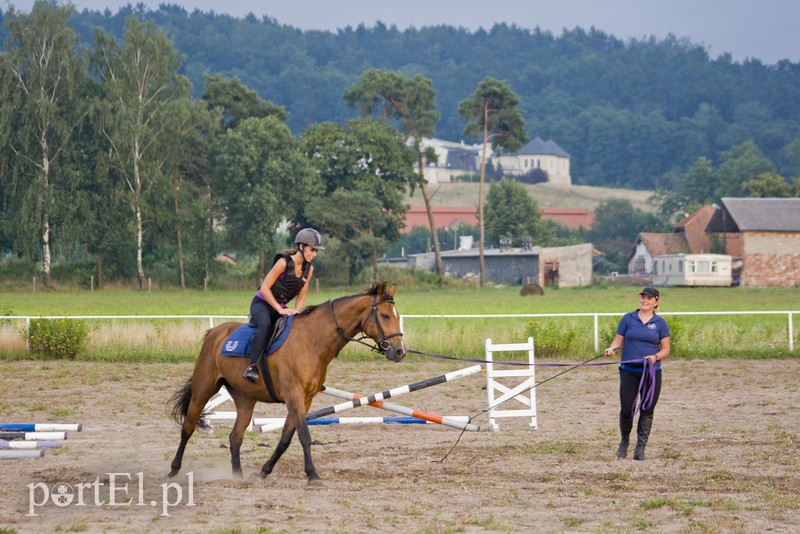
(609, 352)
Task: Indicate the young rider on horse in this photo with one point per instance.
(288, 278)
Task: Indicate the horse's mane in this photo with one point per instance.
(372, 291)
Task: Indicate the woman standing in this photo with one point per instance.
(643, 335)
(288, 279)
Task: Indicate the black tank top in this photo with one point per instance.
(288, 285)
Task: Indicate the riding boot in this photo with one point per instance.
(642, 434)
(251, 373)
(625, 426)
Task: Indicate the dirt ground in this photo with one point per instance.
(722, 457)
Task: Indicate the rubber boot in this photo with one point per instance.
(642, 434)
(625, 426)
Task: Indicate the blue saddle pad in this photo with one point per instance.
(239, 343)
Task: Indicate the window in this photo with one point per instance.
(713, 266)
(680, 266)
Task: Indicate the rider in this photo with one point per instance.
(288, 278)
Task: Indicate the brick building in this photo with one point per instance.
(768, 231)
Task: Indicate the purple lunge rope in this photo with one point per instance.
(647, 388)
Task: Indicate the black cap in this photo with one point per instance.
(650, 292)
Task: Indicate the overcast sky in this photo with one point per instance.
(764, 29)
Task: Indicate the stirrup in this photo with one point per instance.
(251, 373)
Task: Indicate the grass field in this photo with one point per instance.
(178, 339)
(698, 336)
(547, 195)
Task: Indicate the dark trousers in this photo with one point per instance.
(263, 316)
(629, 389)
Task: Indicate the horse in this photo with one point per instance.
(297, 370)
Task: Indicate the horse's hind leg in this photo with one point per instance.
(198, 395)
(244, 415)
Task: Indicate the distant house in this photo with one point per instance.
(453, 159)
(768, 231)
(693, 270)
(456, 159)
(682, 257)
(544, 156)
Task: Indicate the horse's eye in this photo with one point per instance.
(385, 316)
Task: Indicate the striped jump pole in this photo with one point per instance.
(416, 386)
(11, 454)
(41, 427)
(29, 444)
(276, 423)
(32, 435)
(430, 417)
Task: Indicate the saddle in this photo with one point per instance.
(239, 343)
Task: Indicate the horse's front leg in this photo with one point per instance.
(286, 438)
(304, 436)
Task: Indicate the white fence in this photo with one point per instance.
(595, 318)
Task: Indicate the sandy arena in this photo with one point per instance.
(722, 457)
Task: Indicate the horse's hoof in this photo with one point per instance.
(173, 473)
(315, 482)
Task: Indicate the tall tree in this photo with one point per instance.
(237, 101)
(45, 75)
(740, 164)
(363, 157)
(412, 103)
(260, 179)
(493, 116)
(143, 94)
(512, 212)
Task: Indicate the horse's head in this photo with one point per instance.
(383, 323)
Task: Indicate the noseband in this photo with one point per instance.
(383, 340)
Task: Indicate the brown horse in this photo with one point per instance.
(297, 370)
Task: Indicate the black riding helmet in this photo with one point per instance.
(309, 237)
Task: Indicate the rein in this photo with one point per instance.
(519, 364)
(383, 340)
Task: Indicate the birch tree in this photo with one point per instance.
(142, 112)
(43, 73)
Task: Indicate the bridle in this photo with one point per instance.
(383, 340)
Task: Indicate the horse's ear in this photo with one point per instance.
(381, 289)
(392, 290)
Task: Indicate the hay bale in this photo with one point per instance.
(531, 289)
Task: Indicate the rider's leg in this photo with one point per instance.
(262, 318)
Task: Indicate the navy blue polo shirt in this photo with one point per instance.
(640, 339)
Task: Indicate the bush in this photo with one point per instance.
(57, 338)
(551, 340)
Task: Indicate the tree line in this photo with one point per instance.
(628, 112)
(109, 156)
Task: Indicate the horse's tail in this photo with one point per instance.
(180, 405)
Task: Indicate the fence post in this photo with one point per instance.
(596, 334)
(791, 334)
